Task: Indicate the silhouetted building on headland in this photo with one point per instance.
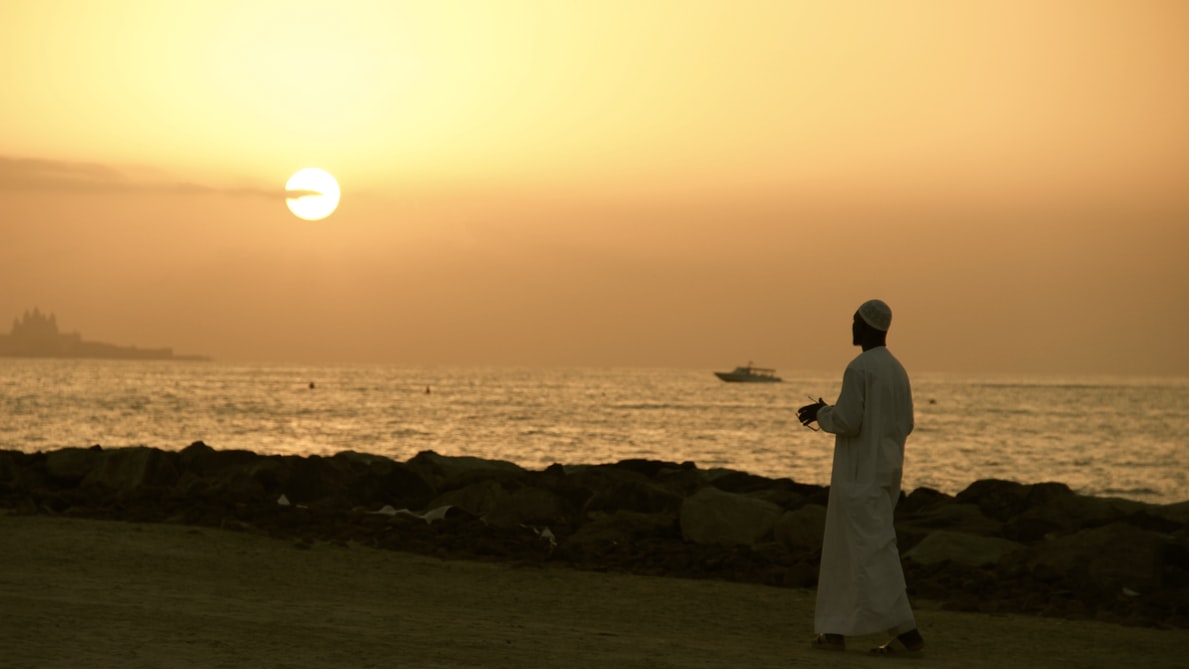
(36, 335)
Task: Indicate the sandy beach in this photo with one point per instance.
(89, 593)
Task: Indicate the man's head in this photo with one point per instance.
(872, 321)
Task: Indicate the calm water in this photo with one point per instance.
(1123, 437)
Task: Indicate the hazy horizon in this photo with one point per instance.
(662, 184)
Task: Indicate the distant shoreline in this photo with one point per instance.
(36, 335)
(132, 354)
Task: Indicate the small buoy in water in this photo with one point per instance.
(311, 385)
(426, 390)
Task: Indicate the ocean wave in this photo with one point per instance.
(1143, 492)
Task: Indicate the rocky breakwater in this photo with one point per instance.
(997, 546)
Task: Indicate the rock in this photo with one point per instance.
(361, 460)
(613, 489)
(126, 470)
(479, 499)
(801, 529)
(620, 528)
(68, 466)
(681, 482)
(1068, 513)
(443, 472)
(313, 478)
(967, 518)
(789, 495)
(1178, 512)
(712, 516)
(783, 492)
(202, 460)
(8, 467)
(1002, 500)
(195, 449)
(1031, 528)
(18, 471)
(730, 480)
(651, 468)
(1154, 521)
(270, 473)
(389, 482)
(967, 549)
(253, 481)
(921, 499)
(1107, 559)
(530, 506)
(500, 507)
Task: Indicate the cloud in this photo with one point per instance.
(37, 174)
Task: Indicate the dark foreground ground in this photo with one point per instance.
(114, 594)
(997, 547)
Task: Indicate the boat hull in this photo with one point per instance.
(733, 377)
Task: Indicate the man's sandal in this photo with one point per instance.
(897, 648)
(829, 642)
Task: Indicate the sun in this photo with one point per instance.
(321, 196)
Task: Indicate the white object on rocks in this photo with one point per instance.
(429, 516)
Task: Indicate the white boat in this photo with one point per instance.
(749, 373)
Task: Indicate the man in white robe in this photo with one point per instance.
(861, 587)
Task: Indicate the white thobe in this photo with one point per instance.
(861, 586)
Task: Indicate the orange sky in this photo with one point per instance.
(614, 183)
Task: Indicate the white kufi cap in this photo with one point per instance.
(877, 314)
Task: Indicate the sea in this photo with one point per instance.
(1104, 436)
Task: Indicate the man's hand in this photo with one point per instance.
(808, 413)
